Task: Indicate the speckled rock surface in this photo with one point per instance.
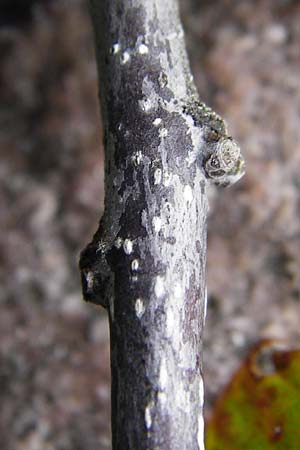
(54, 367)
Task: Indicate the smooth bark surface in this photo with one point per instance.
(146, 263)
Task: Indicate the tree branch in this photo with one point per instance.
(146, 263)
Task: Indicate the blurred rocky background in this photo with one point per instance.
(54, 351)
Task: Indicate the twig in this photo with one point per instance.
(146, 263)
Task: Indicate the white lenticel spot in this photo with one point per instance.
(139, 307)
(163, 132)
(115, 48)
(137, 158)
(157, 176)
(157, 122)
(135, 265)
(143, 49)
(148, 418)
(125, 57)
(128, 246)
(188, 193)
(156, 222)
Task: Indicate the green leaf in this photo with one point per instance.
(260, 408)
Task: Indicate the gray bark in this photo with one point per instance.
(146, 263)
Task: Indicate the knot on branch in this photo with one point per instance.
(96, 276)
(98, 262)
(225, 166)
(221, 156)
